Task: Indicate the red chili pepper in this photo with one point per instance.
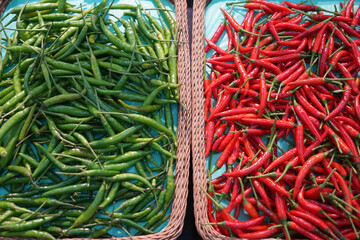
(304, 7)
(281, 212)
(349, 30)
(207, 104)
(288, 25)
(219, 31)
(318, 39)
(302, 45)
(233, 156)
(344, 100)
(271, 184)
(273, 30)
(261, 122)
(347, 139)
(235, 25)
(238, 200)
(266, 41)
(299, 142)
(242, 225)
(278, 52)
(284, 58)
(274, 6)
(215, 47)
(252, 6)
(217, 142)
(209, 137)
(305, 170)
(302, 222)
(220, 105)
(225, 58)
(349, 121)
(322, 17)
(235, 189)
(230, 37)
(311, 95)
(237, 111)
(281, 159)
(228, 138)
(249, 208)
(227, 151)
(221, 64)
(309, 31)
(308, 107)
(256, 132)
(343, 148)
(248, 20)
(313, 219)
(259, 16)
(263, 95)
(357, 106)
(339, 34)
(305, 232)
(290, 43)
(356, 18)
(261, 191)
(265, 64)
(259, 234)
(344, 187)
(268, 212)
(348, 9)
(220, 218)
(297, 74)
(304, 118)
(256, 165)
(218, 179)
(355, 51)
(210, 215)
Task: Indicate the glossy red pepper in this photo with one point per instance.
(219, 31)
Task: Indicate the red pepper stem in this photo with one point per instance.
(344, 209)
(331, 35)
(285, 225)
(287, 167)
(217, 204)
(253, 188)
(275, 81)
(333, 196)
(327, 216)
(331, 160)
(242, 191)
(354, 228)
(275, 226)
(271, 174)
(214, 170)
(222, 224)
(255, 34)
(323, 185)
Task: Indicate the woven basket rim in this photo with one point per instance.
(175, 225)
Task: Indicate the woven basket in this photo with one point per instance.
(176, 222)
(198, 124)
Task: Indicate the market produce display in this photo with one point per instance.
(282, 112)
(88, 103)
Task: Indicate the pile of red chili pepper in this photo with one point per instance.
(290, 76)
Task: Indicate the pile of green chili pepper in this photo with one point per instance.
(87, 136)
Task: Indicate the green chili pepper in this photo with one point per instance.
(90, 211)
(28, 234)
